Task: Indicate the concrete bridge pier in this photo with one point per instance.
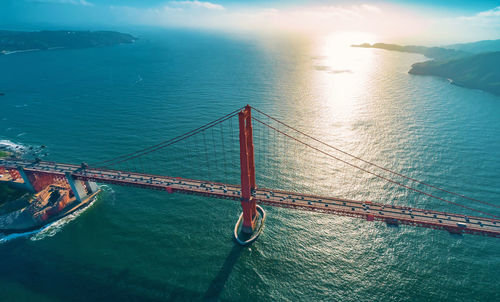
(27, 182)
(78, 187)
(91, 187)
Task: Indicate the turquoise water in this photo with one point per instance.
(138, 245)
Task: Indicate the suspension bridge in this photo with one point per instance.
(298, 171)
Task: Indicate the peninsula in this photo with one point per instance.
(479, 71)
(20, 41)
(471, 68)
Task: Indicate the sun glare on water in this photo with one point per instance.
(346, 70)
(337, 47)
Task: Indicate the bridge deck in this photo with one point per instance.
(371, 211)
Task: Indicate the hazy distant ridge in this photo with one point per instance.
(437, 53)
(37, 40)
(477, 47)
(465, 64)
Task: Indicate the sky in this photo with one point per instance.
(424, 22)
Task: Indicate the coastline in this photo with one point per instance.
(12, 42)
(473, 72)
(10, 194)
(468, 70)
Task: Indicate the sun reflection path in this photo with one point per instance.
(347, 73)
(338, 106)
(343, 79)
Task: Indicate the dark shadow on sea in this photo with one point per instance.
(64, 278)
(217, 285)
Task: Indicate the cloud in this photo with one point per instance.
(381, 20)
(371, 8)
(196, 4)
(483, 25)
(495, 12)
(489, 15)
(73, 2)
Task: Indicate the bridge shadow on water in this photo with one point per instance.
(218, 283)
(63, 277)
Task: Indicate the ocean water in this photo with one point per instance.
(138, 245)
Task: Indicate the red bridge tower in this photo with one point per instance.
(247, 164)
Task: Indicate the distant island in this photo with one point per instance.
(21, 41)
(463, 64)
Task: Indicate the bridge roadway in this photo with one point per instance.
(371, 211)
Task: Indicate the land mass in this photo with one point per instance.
(477, 47)
(11, 197)
(479, 71)
(471, 68)
(437, 53)
(10, 194)
(18, 41)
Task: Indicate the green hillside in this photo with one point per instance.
(481, 71)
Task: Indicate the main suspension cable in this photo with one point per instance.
(171, 142)
(375, 165)
(372, 173)
(207, 125)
